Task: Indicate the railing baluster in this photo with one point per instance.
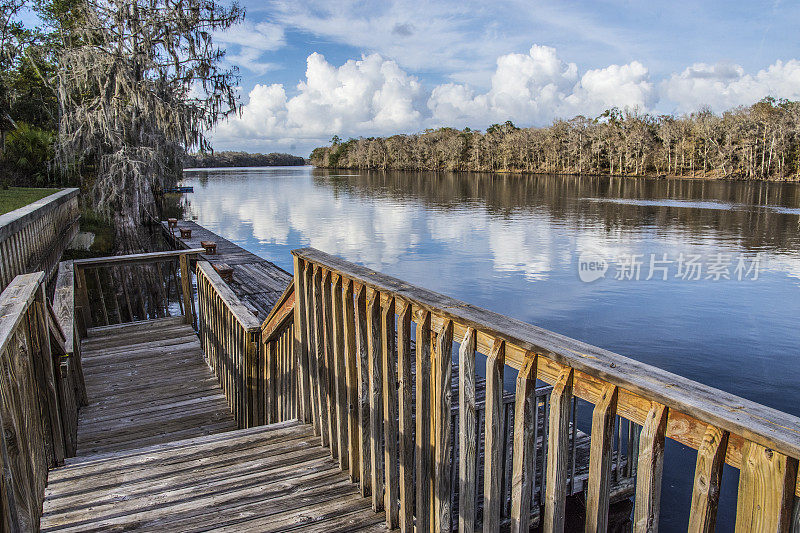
(406, 420)
(443, 429)
(766, 490)
(102, 296)
(602, 437)
(390, 413)
(351, 381)
(341, 375)
(330, 365)
(524, 454)
(467, 432)
(651, 466)
(558, 452)
(493, 438)
(322, 369)
(301, 342)
(362, 378)
(313, 361)
(376, 400)
(707, 476)
(423, 437)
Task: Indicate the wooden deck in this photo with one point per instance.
(147, 383)
(257, 282)
(268, 478)
(158, 449)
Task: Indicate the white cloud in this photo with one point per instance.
(249, 42)
(536, 87)
(369, 96)
(724, 85)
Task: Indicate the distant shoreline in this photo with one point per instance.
(228, 159)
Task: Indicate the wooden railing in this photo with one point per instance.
(373, 351)
(229, 333)
(129, 288)
(38, 409)
(33, 237)
(277, 371)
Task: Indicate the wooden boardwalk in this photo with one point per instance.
(158, 449)
(257, 282)
(147, 383)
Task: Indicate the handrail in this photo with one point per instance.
(769, 427)
(150, 293)
(132, 259)
(229, 333)
(280, 313)
(33, 237)
(35, 409)
(762, 442)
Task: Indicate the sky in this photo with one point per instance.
(311, 69)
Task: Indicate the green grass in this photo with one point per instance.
(16, 197)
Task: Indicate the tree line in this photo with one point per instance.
(240, 159)
(761, 141)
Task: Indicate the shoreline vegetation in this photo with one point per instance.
(758, 142)
(241, 159)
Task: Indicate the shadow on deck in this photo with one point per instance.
(158, 449)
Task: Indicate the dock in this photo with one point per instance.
(151, 394)
(257, 282)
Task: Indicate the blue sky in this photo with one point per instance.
(312, 69)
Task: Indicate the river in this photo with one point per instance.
(700, 278)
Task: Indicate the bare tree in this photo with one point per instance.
(139, 83)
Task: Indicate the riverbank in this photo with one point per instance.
(16, 197)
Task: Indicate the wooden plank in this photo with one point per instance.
(494, 434)
(405, 389)
(351, 381)
(131, 259)
(340, 374)
(558, 453)
(362, 345)
(467, 433)
(765, 497)
(524, 457)
(390, 414)
(330, 365)
(375, 401)
(443, 429)
(707, 477)
(649, 470)
(322, 368)
(423, 435)
(599, 491)
(313, 380)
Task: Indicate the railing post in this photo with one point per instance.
(301, 342)
(186, 286)
(47, 366)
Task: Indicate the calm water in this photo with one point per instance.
(515, 244)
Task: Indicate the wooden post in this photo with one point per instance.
(766, 490)
(340, 375)
(362, 345)
(602, 436)
(376, 400)
(350, 356)
(322, 369)
(423, 444)
(330, 365)
(467, 432)
(651, 466)
(406, 421)
(443, 437)
(186, 286)
(707, 477)
(47, 366)
(313, 378)
(494, 434)
(524, 446)
(558, 452)
(390, 414)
